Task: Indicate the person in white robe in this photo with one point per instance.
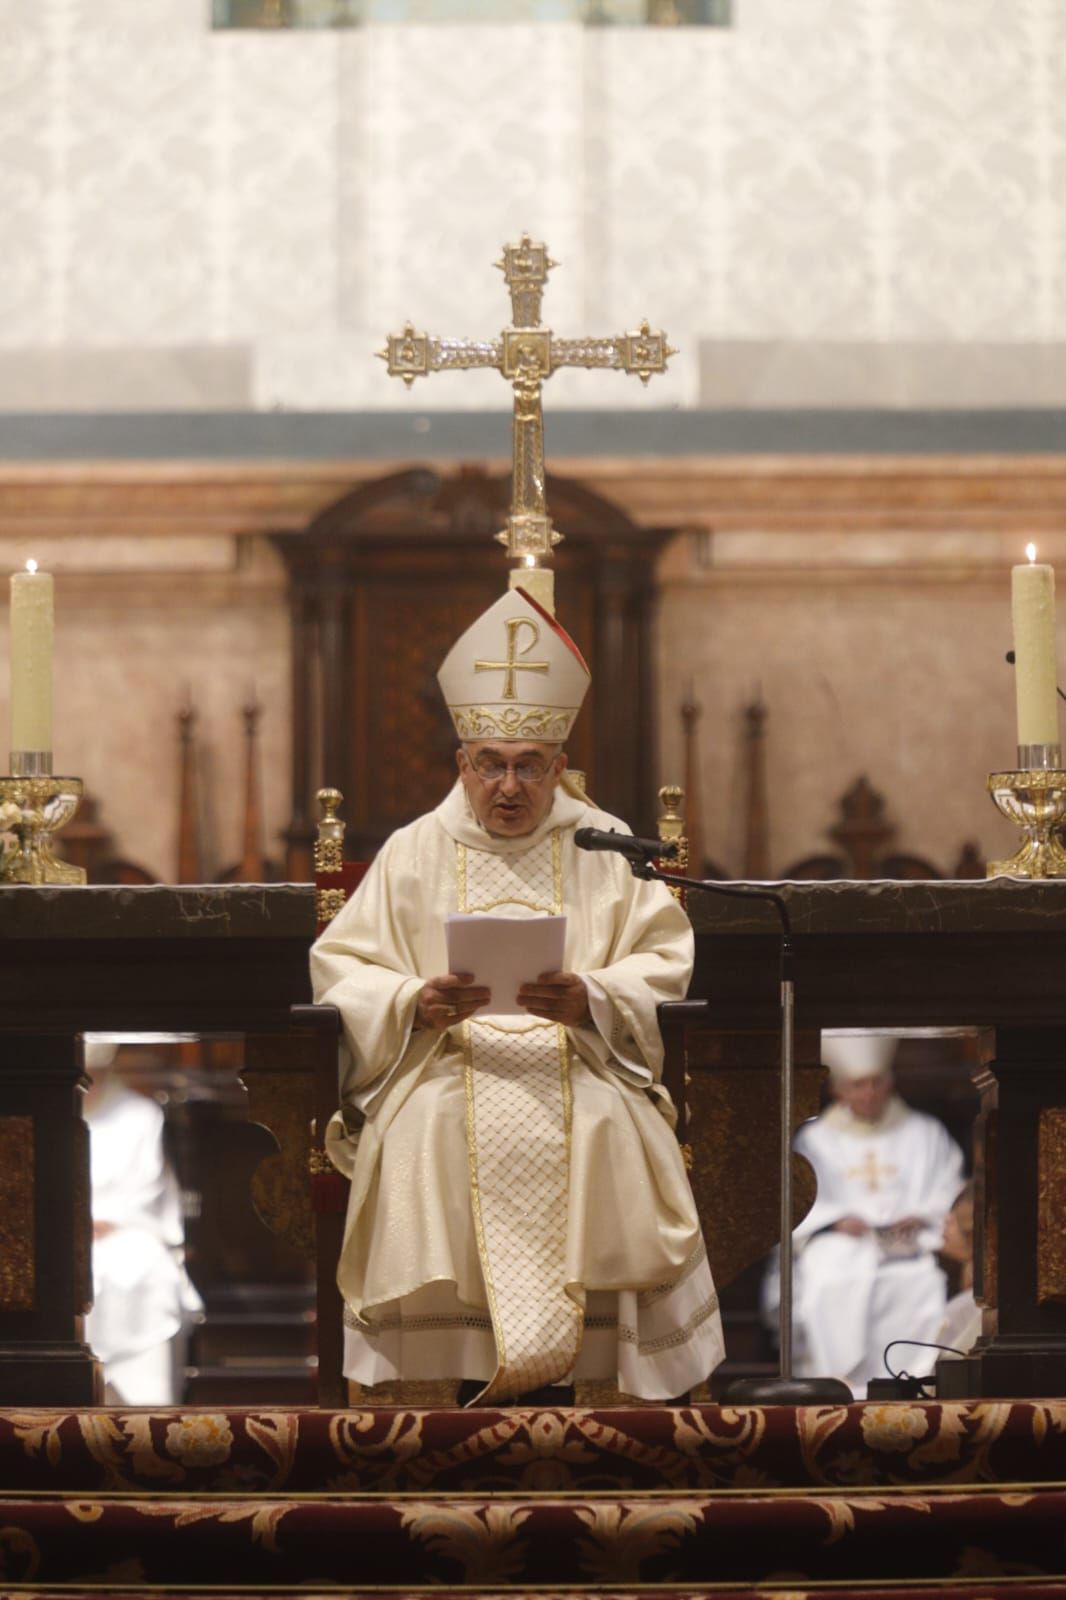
(143, 1299)
(866, 1271)
(519, 1213)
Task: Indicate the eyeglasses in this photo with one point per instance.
(496, 771)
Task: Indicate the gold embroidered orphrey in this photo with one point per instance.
(526, 354)
(518, 1078)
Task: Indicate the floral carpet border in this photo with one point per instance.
(549, 1541)
(995, 1589)
(402, 1451)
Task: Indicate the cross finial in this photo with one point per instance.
(526, 354)
(525, 267)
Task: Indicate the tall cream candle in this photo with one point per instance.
(1035, 675)
(31, 659)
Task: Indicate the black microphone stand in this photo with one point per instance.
(785, 1389)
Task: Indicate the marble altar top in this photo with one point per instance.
(287, 910)
(891, 906)
(158, 911)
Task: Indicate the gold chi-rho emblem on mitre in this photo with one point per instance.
(514, 674)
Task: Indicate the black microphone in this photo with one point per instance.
(1058, 691)
(625, 843)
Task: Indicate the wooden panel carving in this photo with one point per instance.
(733, 1100)
(985, 1195)
(1051, 1202)
(281, 1099)
(17, 1278)
(406, 638)
(81, 1176)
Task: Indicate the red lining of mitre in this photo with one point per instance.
(554, 623)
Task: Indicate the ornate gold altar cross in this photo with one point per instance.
(526, 354)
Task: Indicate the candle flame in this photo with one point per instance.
(529, 561)
(1030, 551)
(31, 565)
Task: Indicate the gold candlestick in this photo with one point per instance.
(1034, 797)
(43, 805)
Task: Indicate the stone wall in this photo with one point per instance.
(879, 654)
(140, 632)
(866, 600)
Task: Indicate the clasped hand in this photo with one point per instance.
(555, 996)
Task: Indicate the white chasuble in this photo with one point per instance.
(519, 1208)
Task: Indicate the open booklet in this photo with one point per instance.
(503, 953)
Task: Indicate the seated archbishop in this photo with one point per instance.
(519, 1215)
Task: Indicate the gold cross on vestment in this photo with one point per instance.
(870, 1169)
(526, 354)
(512, 664)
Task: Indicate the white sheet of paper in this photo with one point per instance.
(503, 953)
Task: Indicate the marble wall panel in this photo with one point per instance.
(838, 374)
(879, 170)
(964, 171)
(65, 378)
(644, 195)
(800, 176)
(30, 185)
(137, 159)
(1050, 114)
(276, 188)
(494, 148)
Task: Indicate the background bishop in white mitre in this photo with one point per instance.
(866, 1269)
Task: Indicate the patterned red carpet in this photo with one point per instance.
(993, 1589)
(879, 1500)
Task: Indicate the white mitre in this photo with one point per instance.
(514, 674)
(857, 1055)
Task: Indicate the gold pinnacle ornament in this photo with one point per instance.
(526, 354)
